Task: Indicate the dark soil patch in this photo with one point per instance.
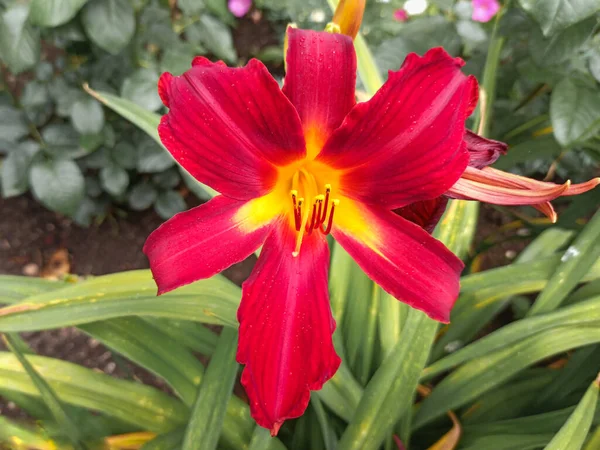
(31, 235)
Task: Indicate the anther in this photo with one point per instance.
(327, 192)
(297, 213)
(334, 203)
(313, 219)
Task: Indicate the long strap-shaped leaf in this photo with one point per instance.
(389, 394)
(124, 294)
(133, 403)
(66, 424)
(577, 315)
(205, 424)
(575, 263)
(484, 373)
(573, 433)
(16, 435)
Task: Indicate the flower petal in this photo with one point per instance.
(503, 188)
(400, 256)
(482, 151)
(205, 240)
(426, 213)
(230, 127)
(286, 327)
(406, 143)
(320, 81)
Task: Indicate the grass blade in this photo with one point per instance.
(66, 424)
(133, 403)
(484, 373)
(575, 263)
(150, 348)
(124, 294)
(19, 436)
(14, 288)
(206, 421)
(148, 122)
(573, 433)
(583, 313)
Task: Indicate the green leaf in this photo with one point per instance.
(575, 263)
(167, 441)
(58, 184)
(47, 393)
(363, 295)
(13, 125)
(131, 402)
(468, 320)
(575, 112)
(152, 349)
(142, 196)
(594, 64)
(62, 141)
(594, 441)
(418, 35)
(124, 155)
(177, 59)
(195, 336)
(152, 158)
(16, 435)
(556, 15)
(140, 88)
(147, 122)
(19, 42)
(87, 116)
(582, 366)
(481, 374)
(582, 313)
(109, 23)
(327, 432)
(52, 13)
(191, 7)
(557, 49)
(389, 394)
(169, 203)
(169, 179)
(15, 169)
(114, 180)
(15, 288)
(509, 400)
(206, 421)
(210, 301)
(457, 226)
(215, 36)
(573, 433)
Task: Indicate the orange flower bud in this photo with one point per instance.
(348, 16)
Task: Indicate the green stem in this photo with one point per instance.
(489, 76)
(526, 126)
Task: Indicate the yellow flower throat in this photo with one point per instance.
(313, 208)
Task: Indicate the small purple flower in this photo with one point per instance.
(401, 15)
(239, 8)
(484, 10)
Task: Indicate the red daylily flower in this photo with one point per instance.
(293, 165)
(486, 184)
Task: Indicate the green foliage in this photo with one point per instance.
(517, 365)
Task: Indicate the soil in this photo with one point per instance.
(36, 241)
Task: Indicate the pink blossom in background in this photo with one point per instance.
(401, 15)
(484, 10)
(239, 8)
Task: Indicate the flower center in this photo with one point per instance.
(312, 209)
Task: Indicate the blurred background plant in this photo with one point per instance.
(547, 101)
(514, 370)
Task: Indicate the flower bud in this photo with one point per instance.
(348, 16)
